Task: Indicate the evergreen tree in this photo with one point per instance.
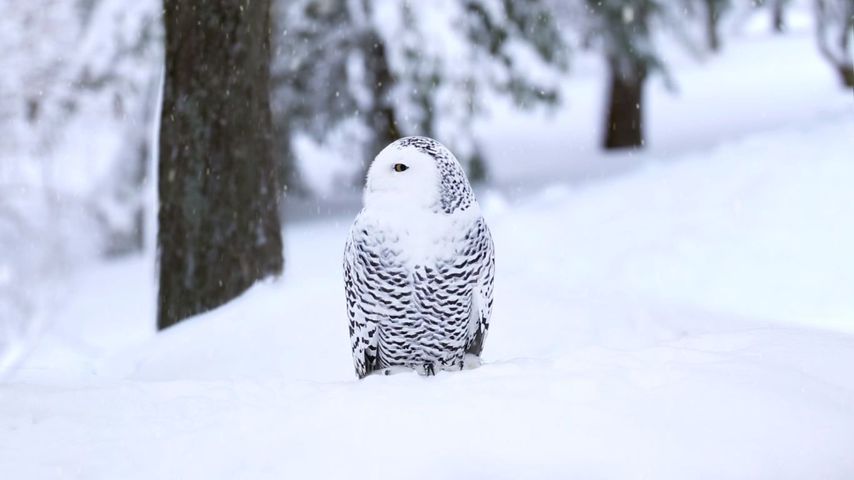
(218, 179)
(310, 94)
(122, 49)
(387, 69)
(99, 69)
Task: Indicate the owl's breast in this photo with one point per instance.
(427, 240)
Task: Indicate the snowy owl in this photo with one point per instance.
(418, 264)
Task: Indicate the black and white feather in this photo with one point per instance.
(418, 264)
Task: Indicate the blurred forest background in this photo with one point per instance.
(80, 94)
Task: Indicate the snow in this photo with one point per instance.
(680, 313)
(645, 326)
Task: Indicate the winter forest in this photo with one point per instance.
(667, 183)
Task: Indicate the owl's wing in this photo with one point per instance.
(482, 254)
(357, 285)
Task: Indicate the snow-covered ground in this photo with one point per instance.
(690, 317)
(683, 321)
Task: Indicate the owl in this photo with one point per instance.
(418, 264)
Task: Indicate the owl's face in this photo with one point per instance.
(402, 178)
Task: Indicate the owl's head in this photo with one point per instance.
(417, 173)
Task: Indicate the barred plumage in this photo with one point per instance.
(418, 264)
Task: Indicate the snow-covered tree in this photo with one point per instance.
(119, 68)
(309, 71)
(834, 20)
(378, 70)
(79, 68)
(78, 77)
(698, 24)
(776, 9)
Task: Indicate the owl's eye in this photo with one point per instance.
(399, 167)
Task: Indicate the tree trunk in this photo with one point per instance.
(778, 16)
(383, 120)
(846, 74)
(624, 127)
(713, 37)
(218, 181)
(837, 50)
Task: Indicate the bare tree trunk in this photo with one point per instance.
(218, 180)
(624, 126)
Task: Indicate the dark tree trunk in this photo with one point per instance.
(778, 15)
(713, 37)
(846, 74)
(837, 50)
(218, 181)
(624, 127)
(383, 120)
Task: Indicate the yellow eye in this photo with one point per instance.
(399, 167)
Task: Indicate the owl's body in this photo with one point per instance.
(418, 264)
